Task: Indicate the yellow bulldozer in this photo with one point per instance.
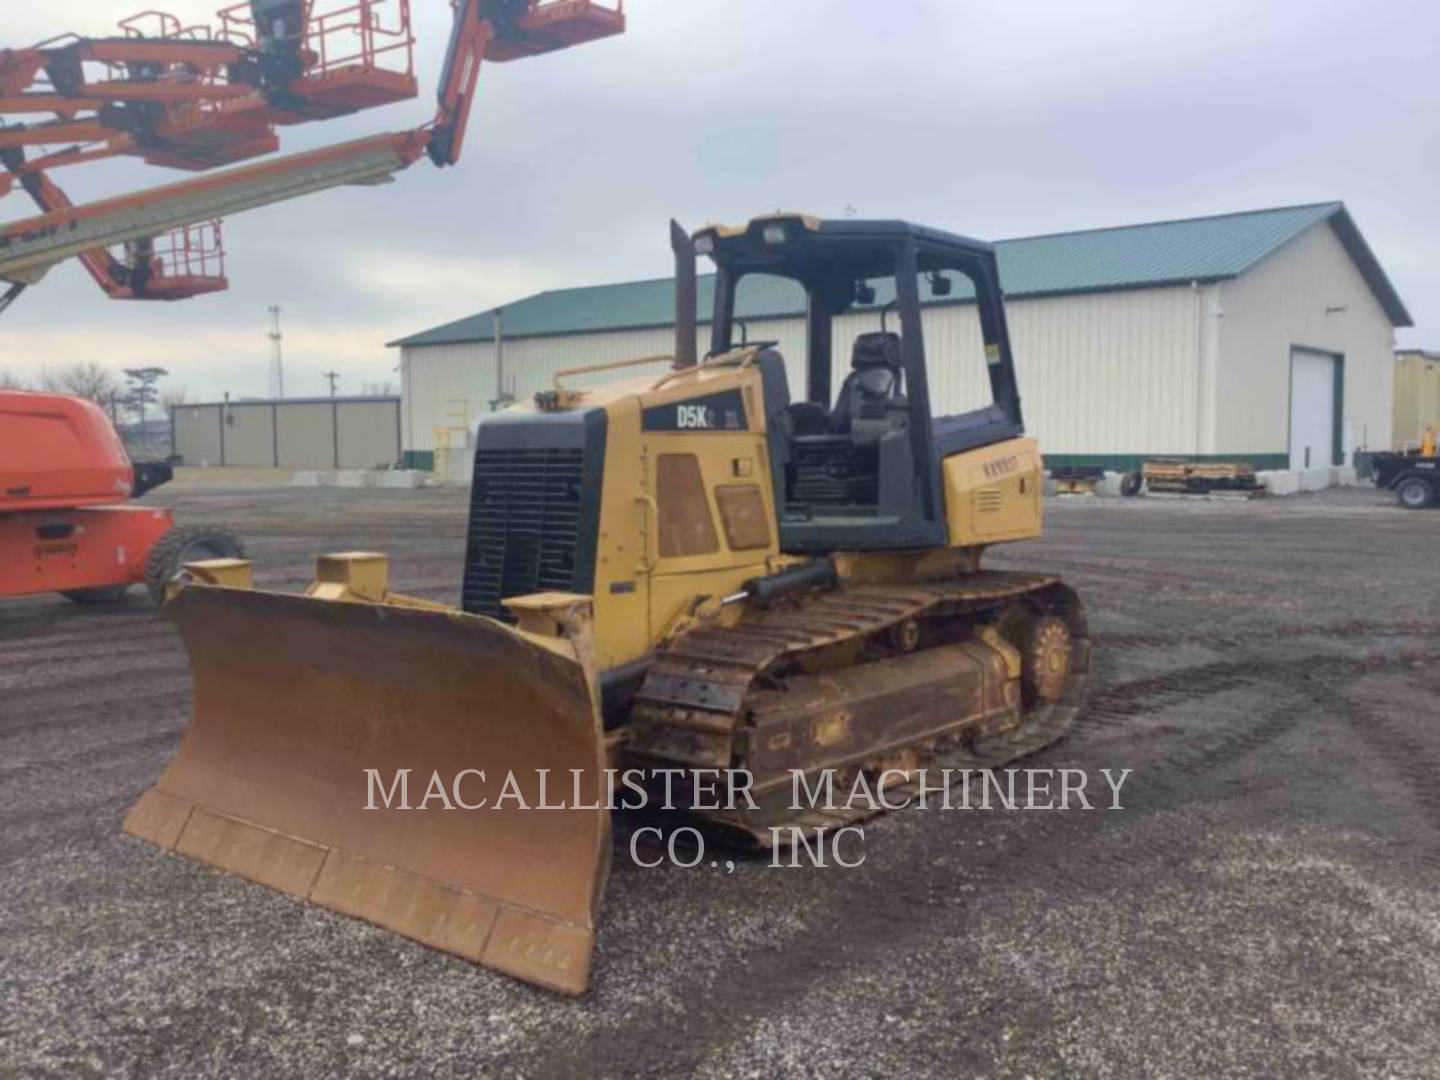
(676, 572)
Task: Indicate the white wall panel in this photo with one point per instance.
(306, 434)
(250, 435)
(1100, 373)
(1177, 370)
(197, 434)
(1308, 294)
(368, 434)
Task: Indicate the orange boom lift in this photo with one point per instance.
(66, 521)
(198, 97)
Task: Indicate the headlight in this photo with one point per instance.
(774, 234)
(705, 244)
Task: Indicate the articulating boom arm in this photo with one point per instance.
(195, 98)
(468, 38)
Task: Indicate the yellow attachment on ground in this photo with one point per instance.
(315, 722)
(361, 577)
(351, 575)
(232, 573)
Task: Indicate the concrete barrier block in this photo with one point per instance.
(398, 478)
(1280, 481)
(353, 478)
(1314, 479)
(1110, 484)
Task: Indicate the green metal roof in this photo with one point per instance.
(1128, 257)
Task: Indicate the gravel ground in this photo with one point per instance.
(1265, 903)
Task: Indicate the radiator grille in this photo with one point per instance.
(525, 524)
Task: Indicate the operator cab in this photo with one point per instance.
(861, 468)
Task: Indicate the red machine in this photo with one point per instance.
(198, 97)
(66, 522)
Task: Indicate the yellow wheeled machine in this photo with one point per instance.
(685, 570)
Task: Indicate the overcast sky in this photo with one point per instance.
(994, 118)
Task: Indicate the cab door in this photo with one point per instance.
(710, 509)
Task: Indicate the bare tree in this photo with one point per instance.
(173, 398)
(84, 379)
(9, 381)
(378, 389)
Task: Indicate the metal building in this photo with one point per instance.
(1417, 396)
(1264, 336)
(293, 433)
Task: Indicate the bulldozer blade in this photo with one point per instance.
(295, 699)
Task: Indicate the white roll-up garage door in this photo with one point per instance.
(1312, 409)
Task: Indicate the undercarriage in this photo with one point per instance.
(973, 672)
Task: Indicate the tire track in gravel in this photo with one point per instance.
(109, 753)
(100, 691)
(74, 630)
(34, 676)
(859, 927)
(845, 923)
(86, 808)
(1126, 700)
(1404, 756)
(1294, 693)
(1030, 848)
(81, 715)
(79, 823)
(1350, 630)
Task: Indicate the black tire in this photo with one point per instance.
(182, 544)
(106, 594)
(1131, 484)
(1415, 493)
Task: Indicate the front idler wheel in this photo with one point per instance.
(1045, 645)
(1045, 663)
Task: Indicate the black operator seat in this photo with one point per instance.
(866, 406)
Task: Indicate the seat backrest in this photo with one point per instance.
(775, 395)
(880, 348)
(873, 380)
(774, 384)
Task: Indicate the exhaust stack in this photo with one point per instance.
(686, 297)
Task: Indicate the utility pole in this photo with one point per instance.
(332, 376)
(277, 356)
